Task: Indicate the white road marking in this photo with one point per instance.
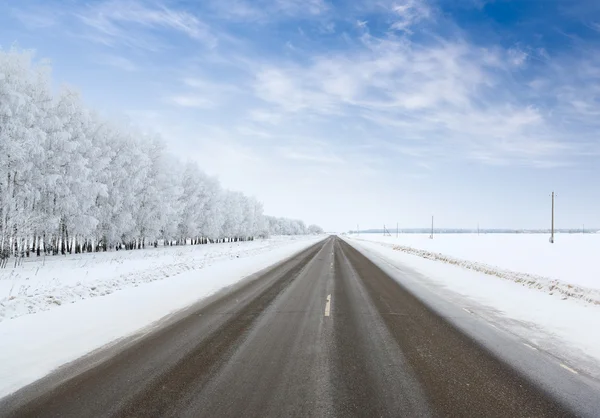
(328, 305)
(466, 310)
(530, 346)
(568, 368)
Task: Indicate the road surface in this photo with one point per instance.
(325, 333)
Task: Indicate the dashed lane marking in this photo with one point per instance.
(568, 368)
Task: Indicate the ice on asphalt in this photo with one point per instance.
(145, 286)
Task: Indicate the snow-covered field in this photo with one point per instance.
(482, 274)
(567, 268)
(69, 306)
(40, 285)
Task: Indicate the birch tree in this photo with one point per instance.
(73, 181)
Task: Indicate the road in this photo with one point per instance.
(326, 333)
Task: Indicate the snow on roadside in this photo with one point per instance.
(31, 346)
(43, 284)
(565, 328)
(566, 268)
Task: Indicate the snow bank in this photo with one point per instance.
(566, 268)
(565, 328)
(150, 284)
(43, 284)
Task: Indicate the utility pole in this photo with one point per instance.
(357, 230)
(552, 230)
(431, 236)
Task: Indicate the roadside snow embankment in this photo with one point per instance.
(43, 284)
(566, 268)
(137, 287)
(523, 304)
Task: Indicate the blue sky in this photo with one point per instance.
(346, 112)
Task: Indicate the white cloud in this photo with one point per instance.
(124, 21)
(409, 13)
(268, 10)
(115, 61)
(204, 93)
(264, 116)
(310, 156)
(388, 74)
(290, 90)
(327, 28)
(517, 57)
(444, 95)
(191, 101)
(362, 111)
(210, 87)
(300, 7)
(38, 18)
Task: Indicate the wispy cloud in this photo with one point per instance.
(211, 87)
(116, 61)
(192, 101)
(451, 95)
(268, 10)
(37, 18)
(308, 156)
(362, 24)
(517, 57)
(299, 7)
(204, 93)
(433, 96)
(387, 74)
(125, 22)
(360, 97)
(409, 13)
(311, 151)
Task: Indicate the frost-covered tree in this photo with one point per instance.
(213, 215)
(285, 226)
(190, 206)
(315, 229)
(72, 181)
(24, 102)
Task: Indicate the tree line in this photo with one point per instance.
(73, 181)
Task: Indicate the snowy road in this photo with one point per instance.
(324, 333)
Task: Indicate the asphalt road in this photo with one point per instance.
(324, 333)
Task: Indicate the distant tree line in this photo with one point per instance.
(72, 181)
